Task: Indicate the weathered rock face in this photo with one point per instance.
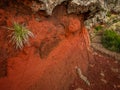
(94, 10)
(74, 6)
(113, 5)
(81, 6)
(49, 5)
(105, 6)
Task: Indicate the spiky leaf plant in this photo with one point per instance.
(20, 35)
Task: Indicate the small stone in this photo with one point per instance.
(118, 86)
(118, 76)
(37, 19)
(91, 65)
(104, 81)
(116, 62)
(102, 74)
(114, 86)
(79, 89)
(115, 70)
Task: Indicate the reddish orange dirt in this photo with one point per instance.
(61, 43)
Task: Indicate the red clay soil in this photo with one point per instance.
(61, 43)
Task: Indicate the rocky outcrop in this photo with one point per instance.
(74, 6)
(113, 5)
(94, 10)
(49, 5)
(81, 6)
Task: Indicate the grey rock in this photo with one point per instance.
(81, 6)
(113, 5)
(95, 10)
(49, 5)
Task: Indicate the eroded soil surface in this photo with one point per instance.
(61, 43)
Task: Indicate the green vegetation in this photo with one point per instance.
(108, 14)
(115, 21)
(20, 35)
(98, 28)
(111, 40)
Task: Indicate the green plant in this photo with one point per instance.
(111, 40)
(97, 28)
(20, 35)
(115, 21)
(108, 14)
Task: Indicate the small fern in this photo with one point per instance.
(20, 35)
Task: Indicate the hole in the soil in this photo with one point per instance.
(3, 3)
(47, 45)
(2, 23)
(3, 62)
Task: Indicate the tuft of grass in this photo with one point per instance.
(111, 40)
(20, 35)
